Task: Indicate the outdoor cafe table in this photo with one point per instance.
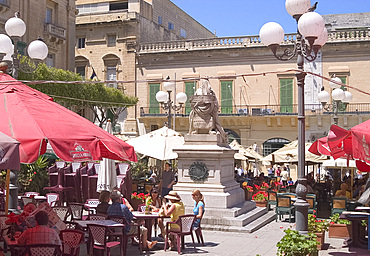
(148, 218)
(358, 237)
(108, 223)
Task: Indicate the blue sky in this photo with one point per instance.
(246, 17)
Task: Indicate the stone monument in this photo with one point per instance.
(206, 162)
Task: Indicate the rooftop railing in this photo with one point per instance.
(350, 35)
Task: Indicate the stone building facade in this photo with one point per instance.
(108, 33)
(259, 107)
(53, 20)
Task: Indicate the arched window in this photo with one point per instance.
(233, 136)
(273, 144)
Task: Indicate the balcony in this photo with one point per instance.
(271, 110)
(4, 5)
(55, 33)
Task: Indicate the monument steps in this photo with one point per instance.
(249, 228)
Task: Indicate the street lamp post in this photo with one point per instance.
(37, 50)
(164, 98)
(338, 95)
(311, 36)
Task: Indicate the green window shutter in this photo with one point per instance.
(286, 95)
(153, 103)
(190, 88)
(227, 97)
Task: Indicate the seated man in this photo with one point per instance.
(41, 234)
(119, 209)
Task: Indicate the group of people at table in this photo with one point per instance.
(114, 204)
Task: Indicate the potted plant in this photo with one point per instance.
(137, 199)
(318, 227)
(339, 228)
(248, 191)
(265, 186)
(256, 188)
(260, 198)
(295, 244)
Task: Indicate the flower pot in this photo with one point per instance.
(248, 194)
(261, 203)
(340, 231)
(135, 203)
(320, 238)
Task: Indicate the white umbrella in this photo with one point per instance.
(107, 176)
(158, 144)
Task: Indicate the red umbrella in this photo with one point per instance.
(33, 119)
(320, 147)
(351, 144)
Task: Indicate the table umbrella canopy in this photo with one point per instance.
(9, 153)
(289, 154)
(320, 147)
(158, 144)
(33, 119)
(351, 144)
(244, 153)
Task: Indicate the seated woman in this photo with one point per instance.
(198, 206)
(174, 211)
(155, 205)
(104, 199)
(124, 200)
(343, 191)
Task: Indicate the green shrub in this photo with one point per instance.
(295, 244)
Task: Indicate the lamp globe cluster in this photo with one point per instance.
(310, 25)
(337, 94)
(15, 29)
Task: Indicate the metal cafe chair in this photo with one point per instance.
(71, 241)
(338, 205)
(284, 206)
(42, 249)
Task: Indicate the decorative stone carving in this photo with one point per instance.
(203, 118)
(198, 172)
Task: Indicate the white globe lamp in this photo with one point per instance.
(5, 44)
(15, 27)
(181, 97)
(347, 97)
(323, 97)
(37, 50)
(335, 85)
(161, 96)
(311, 26)
(337, 94)
(297, 7)
(271, 34)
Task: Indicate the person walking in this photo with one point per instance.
(167, 181)
(284, 176)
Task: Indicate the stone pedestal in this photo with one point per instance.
(219, 188)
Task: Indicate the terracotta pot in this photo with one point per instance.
(135, 203)
(340, 231)
(261, 203)
(247, 194)
(320, 238)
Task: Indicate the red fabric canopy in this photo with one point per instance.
(33, 119)
(320, 147)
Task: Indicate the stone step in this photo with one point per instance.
(251, 227)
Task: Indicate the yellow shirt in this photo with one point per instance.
(179, 210)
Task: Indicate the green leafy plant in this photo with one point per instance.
(139, 169)
(335, 220)
(34, 177)
(295, 244)
(315, 225)
(260, 196)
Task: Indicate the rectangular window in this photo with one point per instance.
(183, 33)
(81, 70)
(227, 97)
(190, 88)
(118, 6)
(81, 42)
(111, 41)
(171, 26)
(50, 60)
(286, 95)
(153, 103)
(160, 20)
(49, 15)
(112, 76)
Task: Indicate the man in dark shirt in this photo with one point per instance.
(167, 181)
(118, 209)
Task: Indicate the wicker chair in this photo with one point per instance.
(77, 210)
(63, 212)
(52, 199)
(42, 250)
(71, 241)
(98, 239)
(186, 228)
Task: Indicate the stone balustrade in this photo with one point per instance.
(245, 41)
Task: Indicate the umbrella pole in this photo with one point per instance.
(7, 182)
